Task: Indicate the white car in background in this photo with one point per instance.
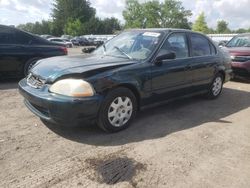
(64, 42)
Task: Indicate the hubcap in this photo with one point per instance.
(120, 111)
(217, 85)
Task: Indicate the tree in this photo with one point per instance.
(65, 10)
(222, 27)
(242, 30)
(170, 13)
(110, 25)
(73, 27)
(200, 24)
(43, 27)
(152, 14)
(133, 14)
(174, 15)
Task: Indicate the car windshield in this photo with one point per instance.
(239, 41)
(131, 45)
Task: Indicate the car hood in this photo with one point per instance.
(53, 68)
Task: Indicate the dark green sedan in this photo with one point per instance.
(135, 69)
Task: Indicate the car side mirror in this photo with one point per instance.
(170, 55)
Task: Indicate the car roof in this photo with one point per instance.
(160, 29)
(14, 28)
(166, 30)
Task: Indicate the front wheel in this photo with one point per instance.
(118, 110)
(216, 87)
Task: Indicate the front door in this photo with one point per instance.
(169, 79)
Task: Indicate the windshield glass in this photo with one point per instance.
(239, 41)
(131, 45)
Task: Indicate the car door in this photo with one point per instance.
(9, 60)
(204, 61)
(169, 78)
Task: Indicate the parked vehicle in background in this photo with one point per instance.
(20, 50)
(83, 41)
(239, 48)
(134, 69)
(75, 42)
(61, 41)
(68, 37)
(46, 36)
(222, 43)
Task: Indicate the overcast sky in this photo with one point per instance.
(235, 12)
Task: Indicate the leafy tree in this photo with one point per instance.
(200, 24)
(242, 30)
(65, 10)
(110, 26)
(73, 27)
(170, 13)
(43, 27)
(222, 27)
(174, 15)
(152, 14)
(133, 14)
(211, 31)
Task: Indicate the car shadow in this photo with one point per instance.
(163, 120)
(241, 80)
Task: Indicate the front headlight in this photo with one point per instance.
(72, 88)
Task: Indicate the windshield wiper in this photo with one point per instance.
(124, 53)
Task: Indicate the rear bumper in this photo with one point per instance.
(59, 109)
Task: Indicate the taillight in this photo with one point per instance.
(65, 50)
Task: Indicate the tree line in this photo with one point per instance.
(73, 17)
(77, 17)
(200, 25)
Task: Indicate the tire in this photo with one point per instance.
(118, 110)
(216, 87)
(28, 65)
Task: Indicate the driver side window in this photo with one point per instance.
(177, 43)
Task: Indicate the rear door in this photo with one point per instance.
(204, 62)
(9, 58)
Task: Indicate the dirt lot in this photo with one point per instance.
(187, 143)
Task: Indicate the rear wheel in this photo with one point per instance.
(118, 110)
(216, 87)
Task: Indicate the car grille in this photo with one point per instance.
(35, 82)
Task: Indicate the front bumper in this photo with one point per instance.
(241, 69)
(59, 109)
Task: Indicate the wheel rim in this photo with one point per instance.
(120, 111)
(217, 85)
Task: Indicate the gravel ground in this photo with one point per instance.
(187, 143)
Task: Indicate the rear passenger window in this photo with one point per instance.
(200, 45)
(22, 38)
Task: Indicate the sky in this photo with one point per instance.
(235, 12)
